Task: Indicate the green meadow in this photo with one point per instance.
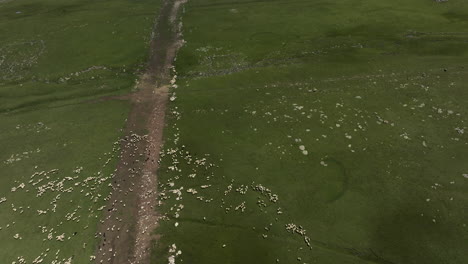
(62, 63)
(317, 131)
(300, 131)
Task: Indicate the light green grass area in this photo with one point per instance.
(352, 112)
(58, 141)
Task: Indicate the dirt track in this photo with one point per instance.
(126, 229)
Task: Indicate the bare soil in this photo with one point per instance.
(126, 229)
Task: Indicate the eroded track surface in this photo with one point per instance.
(126, 229)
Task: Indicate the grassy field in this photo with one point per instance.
(301, 131)
(318, 131)
(61, 63)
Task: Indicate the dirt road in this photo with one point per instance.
(130, 216)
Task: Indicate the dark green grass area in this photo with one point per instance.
(59, 141)
(374, 91)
